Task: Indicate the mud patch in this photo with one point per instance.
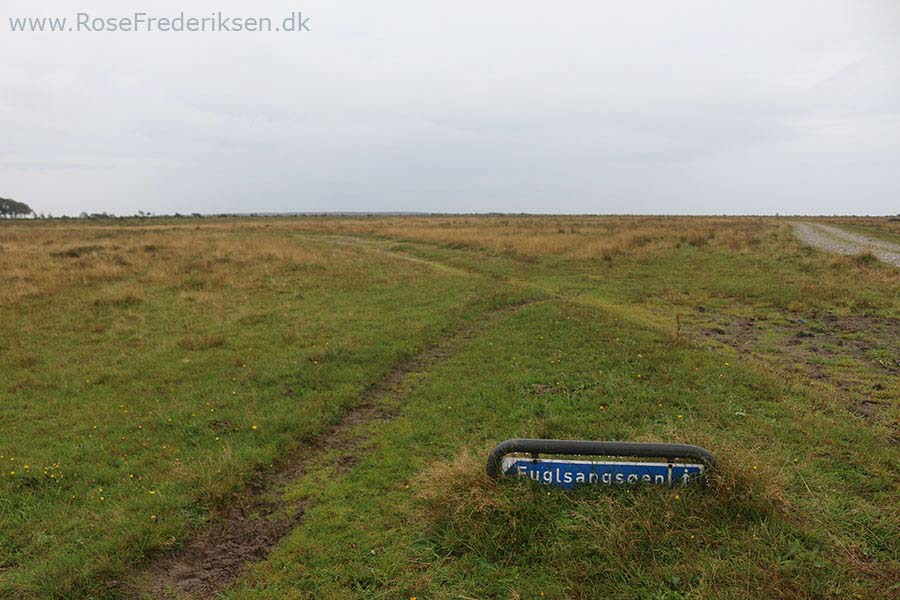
(210, 561)
(858, 355)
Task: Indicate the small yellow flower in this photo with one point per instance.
(253, 426)
(677, 497)
(152, 492)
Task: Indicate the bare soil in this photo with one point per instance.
(804, 343)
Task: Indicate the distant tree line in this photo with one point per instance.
(10, 209)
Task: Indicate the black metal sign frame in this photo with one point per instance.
(596, 448)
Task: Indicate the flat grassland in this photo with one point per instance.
(308, 403)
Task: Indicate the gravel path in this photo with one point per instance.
(833, 239)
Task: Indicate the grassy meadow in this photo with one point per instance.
(157, 373)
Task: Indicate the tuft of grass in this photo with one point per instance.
(866, 259)
(118, 300)
(201, 342)
(76, 252)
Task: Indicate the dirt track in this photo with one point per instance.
(833, 239)
(257, 521)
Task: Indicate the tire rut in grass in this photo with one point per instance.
(246, 532)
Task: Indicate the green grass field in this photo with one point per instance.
(301, 408)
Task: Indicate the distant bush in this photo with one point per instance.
(9, 208)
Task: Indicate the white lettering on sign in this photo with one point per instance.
(567, 473)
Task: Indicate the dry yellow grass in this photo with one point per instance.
(198, 256)
(49, 258)
(580, 237)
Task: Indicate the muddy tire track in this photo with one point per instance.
(261, 517)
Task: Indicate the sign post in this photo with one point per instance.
(506, 459)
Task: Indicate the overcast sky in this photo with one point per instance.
(516, 106)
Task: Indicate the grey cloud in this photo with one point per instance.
(700, 107)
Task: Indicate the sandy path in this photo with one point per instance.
(834, 239)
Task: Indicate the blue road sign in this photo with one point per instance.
(569, 473)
